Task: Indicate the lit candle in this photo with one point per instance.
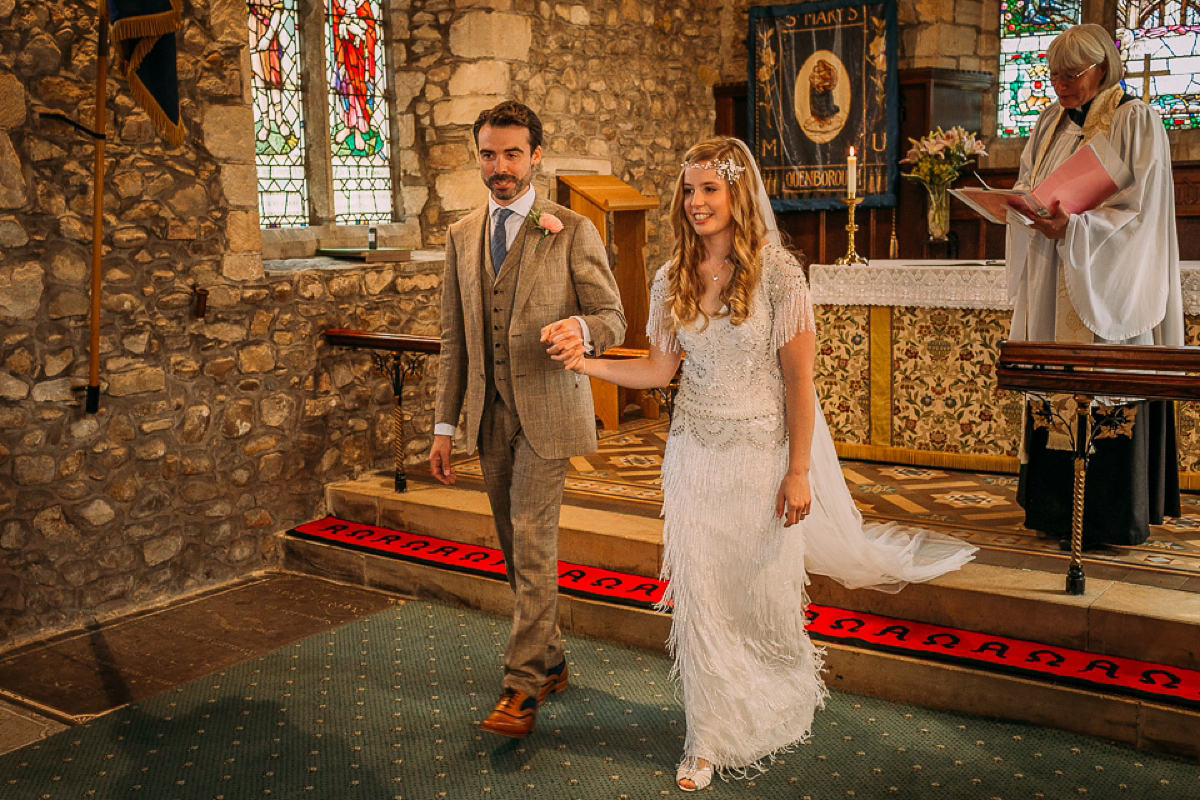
(851, 174)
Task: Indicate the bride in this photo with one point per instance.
(754, 497)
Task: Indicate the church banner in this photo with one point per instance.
(823, 80)
(144, 31)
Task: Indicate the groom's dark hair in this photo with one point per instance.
(512, 114)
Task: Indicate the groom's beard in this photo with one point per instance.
(514, 186)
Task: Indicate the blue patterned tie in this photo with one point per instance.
(500, 239)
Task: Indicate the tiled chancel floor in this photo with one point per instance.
(623, 474)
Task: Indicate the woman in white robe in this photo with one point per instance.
(1107, 275)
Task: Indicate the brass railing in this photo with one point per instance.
(398, 356)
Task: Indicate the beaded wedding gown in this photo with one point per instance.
(750, 676)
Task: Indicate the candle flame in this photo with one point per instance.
(852, 150)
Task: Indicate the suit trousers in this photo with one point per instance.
(525, 491)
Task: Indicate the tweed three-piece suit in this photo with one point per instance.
(526, 414)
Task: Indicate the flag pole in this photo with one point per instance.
(93, 388)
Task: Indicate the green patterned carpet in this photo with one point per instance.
(388, 707)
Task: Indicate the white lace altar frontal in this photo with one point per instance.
(938, 284)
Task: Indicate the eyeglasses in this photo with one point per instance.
(1070, 77)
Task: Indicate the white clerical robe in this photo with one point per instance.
(1113, 279)
(1119, 261)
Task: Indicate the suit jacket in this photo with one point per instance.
(560, 275)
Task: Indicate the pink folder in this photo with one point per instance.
(1090, 176)
(1080, 183)
(994, 204)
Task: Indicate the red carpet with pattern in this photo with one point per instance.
(1171, 685)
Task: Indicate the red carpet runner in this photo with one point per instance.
(1170, 685)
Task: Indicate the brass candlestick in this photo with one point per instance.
(851, 257)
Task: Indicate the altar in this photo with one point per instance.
(906, 354)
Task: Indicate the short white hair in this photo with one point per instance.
(1084, 45)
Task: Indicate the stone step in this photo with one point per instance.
(1148, 623)
(620, 542)
(1141, 622)
(946, 687)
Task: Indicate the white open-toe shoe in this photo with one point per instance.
(690, 770)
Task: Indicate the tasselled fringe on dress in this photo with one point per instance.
(749, 675)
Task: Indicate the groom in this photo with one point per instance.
(526, 284)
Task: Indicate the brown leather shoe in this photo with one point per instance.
(513, 716)
(556, 681)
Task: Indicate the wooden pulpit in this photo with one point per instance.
(595, 197)
(1088, 371)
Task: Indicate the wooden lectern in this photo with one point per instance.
(595, 197)
(1093, 370)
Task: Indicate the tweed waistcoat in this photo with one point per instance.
(498, 294)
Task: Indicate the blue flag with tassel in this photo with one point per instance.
(144, 31)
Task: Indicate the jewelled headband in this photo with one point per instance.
(725, 168)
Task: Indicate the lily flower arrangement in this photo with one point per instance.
(939, 156)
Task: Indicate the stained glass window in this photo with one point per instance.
(1026, 29)
(1159, 42)
(358, 114)
(278, 113)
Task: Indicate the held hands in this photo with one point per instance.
(565, 338)
(794, 500)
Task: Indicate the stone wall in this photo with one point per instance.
(636, 91)
(216, 433)
(619, 88)
(213, 434)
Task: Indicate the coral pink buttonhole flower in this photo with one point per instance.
(550, 222)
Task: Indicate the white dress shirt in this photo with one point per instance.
(512, 226)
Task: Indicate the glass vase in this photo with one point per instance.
(938, 215)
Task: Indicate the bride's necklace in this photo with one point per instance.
(716, 276)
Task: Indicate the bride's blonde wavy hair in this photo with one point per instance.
(685, 285)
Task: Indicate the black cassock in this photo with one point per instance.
(1132, 481)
